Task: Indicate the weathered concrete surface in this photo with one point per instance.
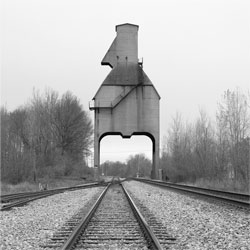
(124, 47)
(127, 103)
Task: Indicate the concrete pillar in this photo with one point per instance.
(96, 148)
(155, 159)
(96, 152)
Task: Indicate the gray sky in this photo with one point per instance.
(192, 51)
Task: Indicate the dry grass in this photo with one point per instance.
(31, 186)
(21, 187)
(226, 184)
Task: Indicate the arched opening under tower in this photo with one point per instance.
(126, 156)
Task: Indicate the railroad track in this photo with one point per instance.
(113, 222)
(238, 199)
(19, 199)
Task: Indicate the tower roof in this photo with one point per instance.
(126, 24)
(127, 74)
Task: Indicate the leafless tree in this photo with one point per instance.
(36, 138)
(233, 119)
(73, 127)
(204, 145)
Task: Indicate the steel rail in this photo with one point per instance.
(20, 196)
(83, 223)
(148, 233)
(15, 196)
(201, 191)
(154, 242)
(23, 202)
(237, 195)
(24, 199)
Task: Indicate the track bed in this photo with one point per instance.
(113, 222)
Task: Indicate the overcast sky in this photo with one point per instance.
(192, 51)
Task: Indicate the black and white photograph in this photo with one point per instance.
(125, 125)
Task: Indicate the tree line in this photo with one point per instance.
(52, 135)
(212, 150)
(49, 136)
(136, 165)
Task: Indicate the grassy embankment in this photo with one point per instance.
(31, 186)
(226, 185)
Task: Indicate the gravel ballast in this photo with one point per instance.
(30, 226)
(195, 223)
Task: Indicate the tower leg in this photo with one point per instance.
(156, 172)
(96, 157)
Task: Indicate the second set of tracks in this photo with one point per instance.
(18, 199)
(113, 222)
(237, 199)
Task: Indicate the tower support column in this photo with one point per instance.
(96, 148)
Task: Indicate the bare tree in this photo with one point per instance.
(36, 138)
(5, 142)
(233, 115)
(139, 165)
(15, 162)
(73, 127)
(201, 151)
(179, 154)
(204, 145)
